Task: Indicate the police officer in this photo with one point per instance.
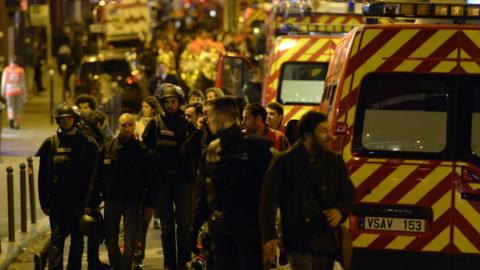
(235, 167)
(91, 126)
(167, 134)
(66, 162)
(125, 175)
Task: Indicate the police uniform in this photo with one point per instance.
(89, 128)
(66, 162)
(235, 166)
(166, 135)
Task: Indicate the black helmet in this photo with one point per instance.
(64, 110)
(92, 224)
(168, 90)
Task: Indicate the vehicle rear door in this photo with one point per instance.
(232, 73)
(466, 225)
(400, 163)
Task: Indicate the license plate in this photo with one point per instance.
(393, 224)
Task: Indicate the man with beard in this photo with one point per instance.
(66, 161)
(255, 123)
(311, 187)
(125, 175)
(166, 135)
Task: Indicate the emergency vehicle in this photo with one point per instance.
(124, 22)
(403, 103)
(299, 57)
(304, 39)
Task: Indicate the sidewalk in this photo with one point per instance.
(16, 147)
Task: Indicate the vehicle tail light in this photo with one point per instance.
(133, 79)
(469, 176)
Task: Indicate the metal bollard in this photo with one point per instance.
(23, 197)
(51, 73)
(31, 184)
(11, 212)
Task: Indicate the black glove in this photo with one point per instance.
(193, 242)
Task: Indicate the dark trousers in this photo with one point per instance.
(93, 250)
(131, 222)
(236, 244)
(141, 241)
(65, 221)
(93, 245)
(37, 78)
(175, 208)
(300, 261)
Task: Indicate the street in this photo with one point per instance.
(18, 144)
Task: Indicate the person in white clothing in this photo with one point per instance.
(14, 90)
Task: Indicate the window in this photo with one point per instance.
(302, 82)
(235, 75)
(114, 67)
(403, 113)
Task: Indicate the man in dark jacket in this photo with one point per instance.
(91, 126)
(252, 90)
(312, 188)
(125, 175)
(66, 161)
(161, 76)
(234, 167)
(166, 136)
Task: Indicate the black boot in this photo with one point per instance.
(283, 260)
(12, 123)
(98, 266)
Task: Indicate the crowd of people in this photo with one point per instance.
(210, 167)
(221, 176)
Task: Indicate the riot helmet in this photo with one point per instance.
(65, 110)
(168, 90)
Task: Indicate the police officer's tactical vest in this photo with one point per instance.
(165, 137)
(61, 163)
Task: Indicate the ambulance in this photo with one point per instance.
(124, 23)
(301, 38)
(298, 61)
(403, 103)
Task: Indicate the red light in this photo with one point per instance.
(78, 82)
(133, 79)
(469, 176)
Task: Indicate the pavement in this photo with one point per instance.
(153, 260)
(16, 147)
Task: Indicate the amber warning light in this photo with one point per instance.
(421, 10)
